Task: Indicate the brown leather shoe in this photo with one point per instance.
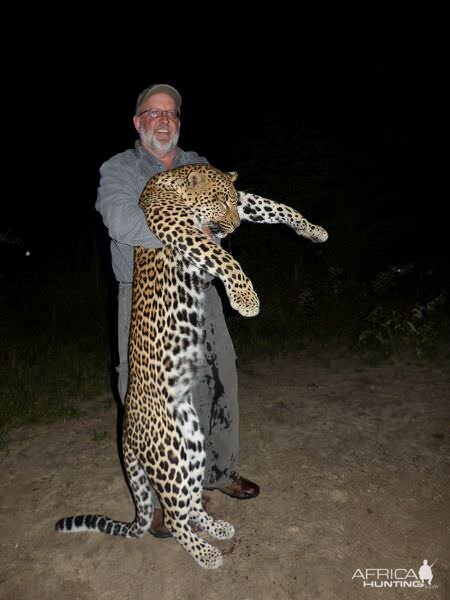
(241, 488)
(157, 528)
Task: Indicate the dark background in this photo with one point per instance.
(334, 111)
(366, 84)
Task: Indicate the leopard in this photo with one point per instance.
(190, 209)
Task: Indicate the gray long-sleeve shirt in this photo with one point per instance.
(122, 179)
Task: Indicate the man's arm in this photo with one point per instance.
(117, 202)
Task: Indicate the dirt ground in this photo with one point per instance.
(353, 466)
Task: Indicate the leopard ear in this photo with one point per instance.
(233, 175)
(196, 179)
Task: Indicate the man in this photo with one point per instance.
(122, 179)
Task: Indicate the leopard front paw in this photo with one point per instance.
(314, 233)
(244, 299)
(318, 234)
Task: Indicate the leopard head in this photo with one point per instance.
(212, 197)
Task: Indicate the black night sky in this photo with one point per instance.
(367, 82)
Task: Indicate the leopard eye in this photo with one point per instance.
(223, 203)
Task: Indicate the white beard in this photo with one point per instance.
(160, 148)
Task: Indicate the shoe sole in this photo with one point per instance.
(161, 535)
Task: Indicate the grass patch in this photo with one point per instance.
(54, 347)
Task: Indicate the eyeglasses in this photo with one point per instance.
(155, 113)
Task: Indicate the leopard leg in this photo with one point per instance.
(176, 502)
(142, 495)
(181, 496)
(221, 530)
(194, 446)
(176, 519)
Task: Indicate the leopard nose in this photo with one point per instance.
(235, 217)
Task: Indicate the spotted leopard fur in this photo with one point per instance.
(163, 444)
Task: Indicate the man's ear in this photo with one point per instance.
(233, 175)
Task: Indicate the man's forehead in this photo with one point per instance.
(155, 100)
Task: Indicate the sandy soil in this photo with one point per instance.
(353, 467)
